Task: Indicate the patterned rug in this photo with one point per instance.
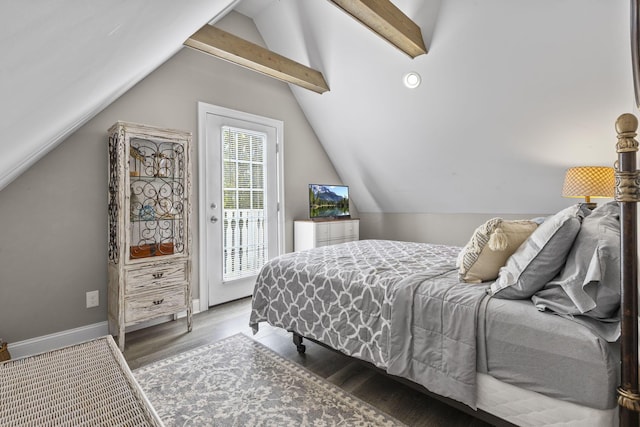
(240, 382)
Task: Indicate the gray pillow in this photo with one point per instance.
(541, 257)
(589, 283)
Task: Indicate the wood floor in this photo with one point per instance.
(402, 402)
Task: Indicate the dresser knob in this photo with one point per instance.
(158, 302)
(158, 275)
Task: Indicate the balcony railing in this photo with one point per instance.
(245, 243)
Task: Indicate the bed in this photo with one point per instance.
(533, 322)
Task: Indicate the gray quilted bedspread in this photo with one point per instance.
(433, 334)
(374, 298)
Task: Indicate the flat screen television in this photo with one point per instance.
(328, 201)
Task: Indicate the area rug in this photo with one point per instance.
(239, 382)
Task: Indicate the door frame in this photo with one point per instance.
(204, 109)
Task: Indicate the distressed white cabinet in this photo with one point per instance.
(309, 234)
(149, 214)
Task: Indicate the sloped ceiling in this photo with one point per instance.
(512, 94)
(64, 61)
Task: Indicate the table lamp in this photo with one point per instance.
(589, 182)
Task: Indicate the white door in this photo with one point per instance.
(239, 197)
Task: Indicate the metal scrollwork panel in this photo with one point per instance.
(156, 159)
(114, 145)
(157, 198)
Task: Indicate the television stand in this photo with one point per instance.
(308, 234)
(330, 218)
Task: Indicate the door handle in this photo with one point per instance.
(213, 219)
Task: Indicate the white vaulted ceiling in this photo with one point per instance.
(64, 61)
(512, 93)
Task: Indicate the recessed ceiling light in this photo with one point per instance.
(412, 80)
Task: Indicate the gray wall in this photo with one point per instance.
(445, 229)
(53, 233)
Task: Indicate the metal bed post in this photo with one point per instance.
(627, 195)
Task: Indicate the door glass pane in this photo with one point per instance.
(244, 147)
(244, 215)
(257, 149)
(244, 175)
(257, 176)
(230, 174)
(230, 199)
(228, 146)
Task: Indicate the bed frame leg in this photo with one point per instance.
(297, 340)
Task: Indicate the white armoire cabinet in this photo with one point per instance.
(149, 215)
(309, 234)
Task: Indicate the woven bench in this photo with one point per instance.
(87, 384)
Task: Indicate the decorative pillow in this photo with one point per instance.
(490, 246)
(589, 283)
(541, 257)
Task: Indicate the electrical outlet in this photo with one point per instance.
(93, 299)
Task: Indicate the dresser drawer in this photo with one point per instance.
(350, 229)
(148, 278)
(146, 306)
(336, 230)
(322, 231)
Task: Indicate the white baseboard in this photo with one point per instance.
(59, 339)
(77, 335)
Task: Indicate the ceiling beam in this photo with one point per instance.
(221, 44)
(386, 20)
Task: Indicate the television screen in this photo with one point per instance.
(328, 201)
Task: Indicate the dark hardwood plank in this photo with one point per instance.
(158, 342)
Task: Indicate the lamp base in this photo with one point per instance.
(591, 206)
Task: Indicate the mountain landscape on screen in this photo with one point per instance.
(328, 201)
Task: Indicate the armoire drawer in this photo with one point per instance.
(149, 305)
(153, 277)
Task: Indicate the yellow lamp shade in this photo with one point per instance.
(588, 182)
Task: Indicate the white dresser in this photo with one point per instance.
(309, 234)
